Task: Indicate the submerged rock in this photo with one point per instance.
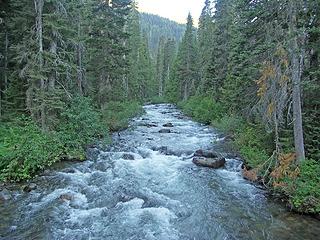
(30, 187)
(165, 131)
(128, 156)
(102, 166)
(148, 125)
(5, 195)
(66, 197)
(209, 162)
(169, 125)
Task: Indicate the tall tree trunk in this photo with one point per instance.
(39, 28)
(53, 76)
(6, 51)
(5, 72)
(296, 61)
(79, 58)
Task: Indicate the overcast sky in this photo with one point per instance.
(176, 10)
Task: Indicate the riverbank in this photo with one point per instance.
(26, 150)
(298, 187)
(129, 189)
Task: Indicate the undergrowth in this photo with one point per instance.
(25, 149)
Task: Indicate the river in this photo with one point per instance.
(145, 186)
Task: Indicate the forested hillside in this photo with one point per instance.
(157, 28)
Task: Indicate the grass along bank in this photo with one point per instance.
(298, 186)
(25, 149)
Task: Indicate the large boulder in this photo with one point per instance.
(209, 162)
(168, 125)
(165, 131)
(206, 154)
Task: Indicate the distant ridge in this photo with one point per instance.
(156, 27)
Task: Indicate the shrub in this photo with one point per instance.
(202, 109)
(304, 191)
(158, 100)
(25, 149)
(116, 115)
(228, 124)
(80, 125)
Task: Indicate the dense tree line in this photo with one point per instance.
(55, 49)
(258, 61)
(69, 70)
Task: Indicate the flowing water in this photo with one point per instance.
(160, 194)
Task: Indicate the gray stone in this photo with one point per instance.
(165, 131)
(128, 156)
(169, 125)
(206, 154)
(30, 187)
(5, 195)
(209, 162)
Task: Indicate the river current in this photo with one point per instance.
(144, 186)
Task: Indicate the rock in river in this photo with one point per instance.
(206, 154)
(30, 187)
(5, 195)
(169, 125)
(128, 156)
(165, 131)
(209, 162)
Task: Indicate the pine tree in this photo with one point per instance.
(205, 45)
(186, 63)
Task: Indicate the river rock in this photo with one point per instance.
(128, 156)
(102, 166)
(30, 187)
(165, 131)
(5, 195)
(168, 125)
(206, 154)
(209, 162)
(66, 197)
(148, 125)
(69, 170)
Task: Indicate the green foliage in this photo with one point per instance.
(80, 124)
(158, 100)
(254, 143)
(304, 191)
(202, 108)
(228, 123)
(117, 114)
(25, 149)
